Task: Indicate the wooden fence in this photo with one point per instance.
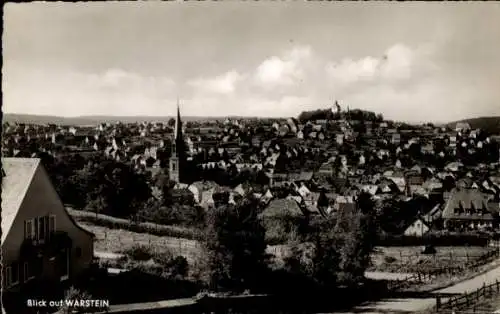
(451, 257)
(466, 300)
(454, 269)
(427, 274)
(409, 281)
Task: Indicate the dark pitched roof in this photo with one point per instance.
(467, 199)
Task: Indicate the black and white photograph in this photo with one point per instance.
(235, 157)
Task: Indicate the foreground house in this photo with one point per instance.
(40, 241)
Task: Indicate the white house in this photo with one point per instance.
(417, 228)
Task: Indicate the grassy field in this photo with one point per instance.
(404, 259)
(389, 259)
(118, 240)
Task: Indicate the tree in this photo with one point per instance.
(111, 188)
(234, 247)
(326, 258)
(171, 122)
(356, 232)
(335, 250)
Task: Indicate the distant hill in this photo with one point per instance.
(489, 124)
(93, 120)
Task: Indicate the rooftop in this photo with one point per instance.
(18, 175)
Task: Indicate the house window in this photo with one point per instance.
(41, 229)
(46, 226)
(35, 225)
(29, 229)
(52, 224)
(63, 260)
(8, 276)
(12, 275)
(27, 274)
(15, 273)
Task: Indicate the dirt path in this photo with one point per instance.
(380, 275)
(411, 305)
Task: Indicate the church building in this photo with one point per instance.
(178, 157)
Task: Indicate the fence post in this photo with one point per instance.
(496, 282)
(438, 302)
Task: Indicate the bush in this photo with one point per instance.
(389, 259)
(179, 267)
(139, 253)
(163, 258)
(282, 230)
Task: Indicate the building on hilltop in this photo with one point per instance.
(177, 160)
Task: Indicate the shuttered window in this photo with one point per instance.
(29, 230)
(52, 223)
(41, 228)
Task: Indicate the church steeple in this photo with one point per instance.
(178, 124)
(176, 161)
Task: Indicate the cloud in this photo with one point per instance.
(398, 63)
(222, 84)
(283, 70)
(251, 105)
(70, 93)
(351, 71)
(403, 82)
(120, 80)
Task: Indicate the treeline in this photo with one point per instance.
(327, 114)
(325, 253)
(105, 186)
(490, 125)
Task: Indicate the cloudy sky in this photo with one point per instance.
(413, 62)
